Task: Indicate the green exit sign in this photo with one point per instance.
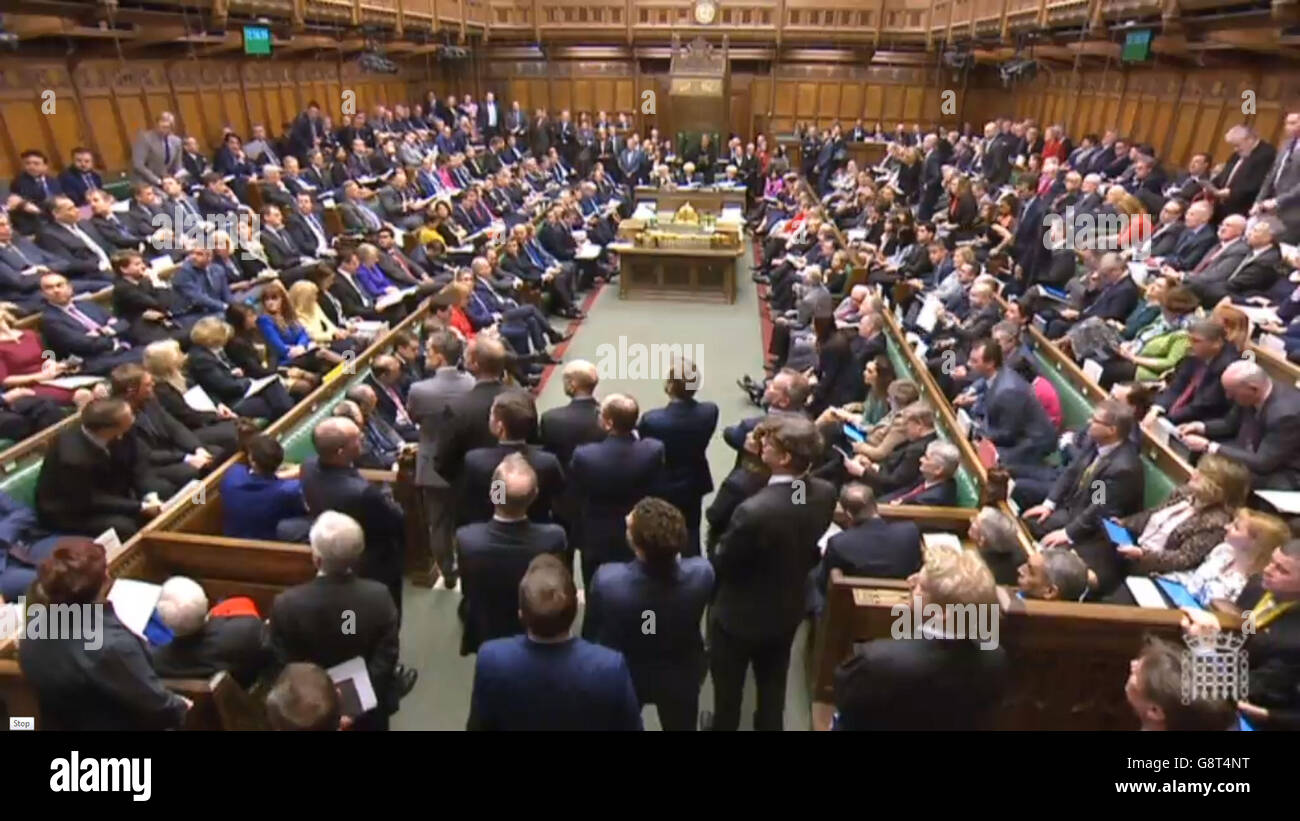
(257, 40)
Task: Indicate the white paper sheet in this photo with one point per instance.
(134, 602)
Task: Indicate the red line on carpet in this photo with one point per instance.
(564, 346)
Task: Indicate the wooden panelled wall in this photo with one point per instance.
(1180, 113)
(770, 102)
(104, 104)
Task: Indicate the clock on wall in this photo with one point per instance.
(706, 11)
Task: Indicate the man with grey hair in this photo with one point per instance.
(330, 481)
(494, 555)
(339, 616)
(202, 645)
(1237, 185)
(936, 486)
(1054, 574)
(1261, 430)
(997, 539)
(1194, 391)
(868, 546)
(1209, 276)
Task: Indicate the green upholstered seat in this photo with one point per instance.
(297, 443)
(20, 483)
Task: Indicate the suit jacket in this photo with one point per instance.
(116, 233)
(1256, 274)
(60, 241)
(110, 483)
(902, 467)
(355, 220)
(466, 428)
(1247, 181)
(76, 183)
(429, 403)
(1013, 416)
(1283, 184)
(522, 684)
(920, 684)
(1121, 477)
(216, 377)
(1208, 401)
(944, 494)
(238, 645)
(298, 631)
(609, 477)
(343, 489)
(1191, 247)
(202, 290)
(1266, 439)
(877, 548)
(1274, 662)
(305, 240)
(685, 427)
(476, 481)
(153, 158)
(493, 556)
(1208, 280)
(66, 336)
(764, 557)
(669, 661)
(112, 687)
(162, 440)
(1115, 301)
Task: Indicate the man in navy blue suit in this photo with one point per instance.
(871, 546)
(80, 178)
(512, 420)
(609, 477)
(202, 287)
(667, 657)
(1014, 420)
(82, 329)
(35, 186)
(685, 427)
(547, 679)
(493, 555)
(330, 481)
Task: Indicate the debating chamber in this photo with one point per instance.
(687, 365)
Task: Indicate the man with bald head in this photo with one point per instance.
(577, 423)
(608, 478)
(1261, 430)
(494, 555)
(330, 481)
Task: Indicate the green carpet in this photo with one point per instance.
(725, 342)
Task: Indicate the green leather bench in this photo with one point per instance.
(297, 443)
(21, 482)
(1077, 410)
(968, 491)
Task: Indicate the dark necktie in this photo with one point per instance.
(167, 153)
(89, 180)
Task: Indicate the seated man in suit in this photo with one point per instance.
(513, 419)
(111, 228)
(310, 235)
(1013, 419)
(256, 502)
(936, 486)
(358, 218)
(762, 564)
(281, 247)
(1053, 574)
(151, 311)
(83, 329)
(330, 482)
(929, 681)
(98, 457)
(1209, 277)
(546, 679)
(868, 545)
(381, 446)
(205, 644)
(494, 554)
(397, 206)
(23, 263)
(1194, 392)
(386, 379)
(667, 663)
(76, 241)
(1259, 271)
(202, 287)
(609, 477)
(684, 426)
(1104, 481)
(337, 547)
(901, 469)
(80, 177)
(175, 456)
(1260, 431)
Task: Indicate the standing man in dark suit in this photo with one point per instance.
(868, 546)
(1280, 194)
(494, 555)
(469, 424)
(664, 649)
(684, 426)
(330, 481)
(929, 681)
(1261, 431)
(1013, 420)
(307, 133)
(489, 117)
(429, 402)
(1239, 182)
(305, 619)
(931, 177)
(609, 477)
(564, 428)
(546, 679)
(513, 419)
(762, 564)
(98, 460)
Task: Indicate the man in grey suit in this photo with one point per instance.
(428, 403)
(157, 153)
(1280, 194)
(1208, 280)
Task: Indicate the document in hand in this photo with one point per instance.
(928, 317)
(356, 691)
(391, 298)
(198, 399)
(258, 384)
(588, 251)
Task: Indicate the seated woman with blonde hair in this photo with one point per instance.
(304, 298)
(1247, 544)
(165, 361)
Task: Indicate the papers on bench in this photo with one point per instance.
(198, 399)
(856, 235)
(588, 251)
(391, 298)
(134, 602)
(356, 692)
(941, 541)
(1287, 501)
(1145, 592)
